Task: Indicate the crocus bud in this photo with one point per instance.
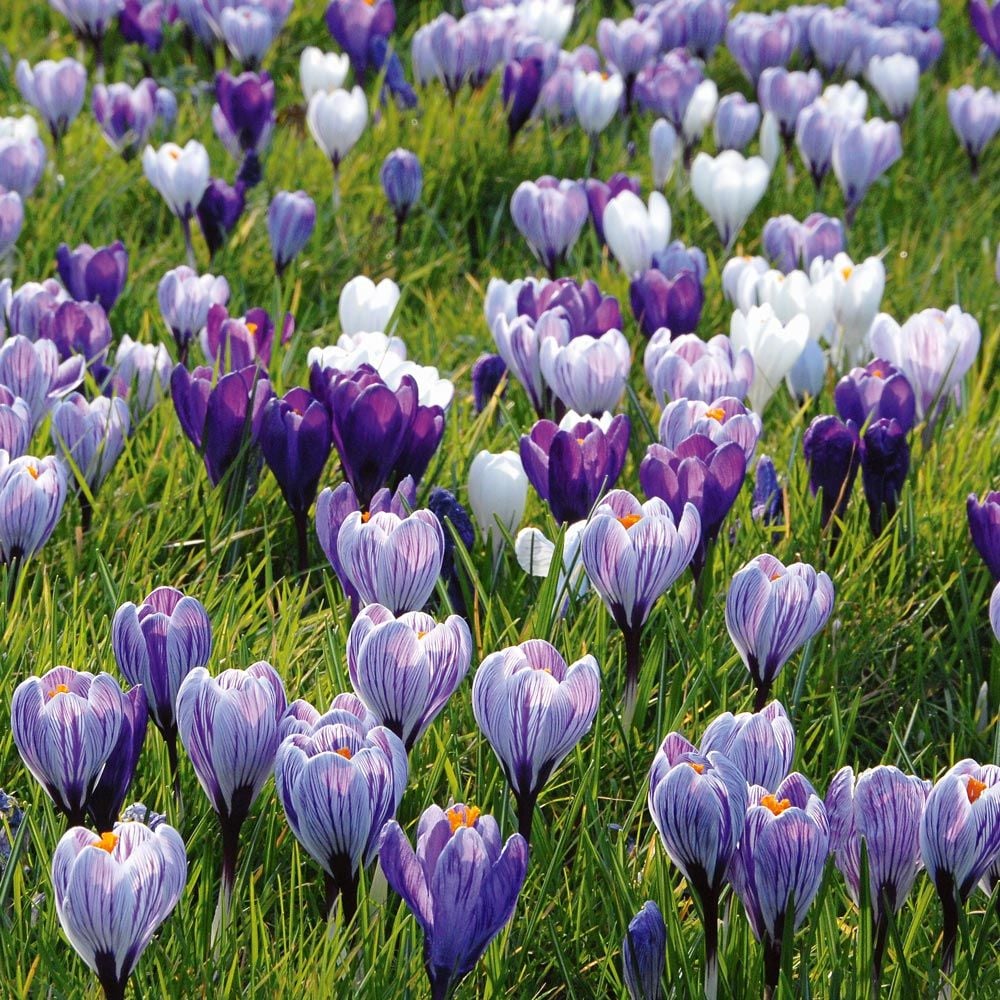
(336, 120)
(522, 84)
(885, 461)
(402, 181)
(743, 180)
(94, 274)
(11, 220)
(644, 953)
(862, 152)
(975, 117)
(663, 151)
(180, 175)
(596, 98)
(550, 215)
(896, 79)
(55, 89)
(833, 452)
(32, 494)
(320, 70)
(291, 219)
(736, 122)
(658, 301)
(498, 492)
(984, 529)
(635, 231)
(487, 371)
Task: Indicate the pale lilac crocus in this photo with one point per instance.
(550, 215)
(688, 367)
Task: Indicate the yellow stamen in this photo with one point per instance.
(629, 519)
(716, 413)
(605, 76)
(344, 752)
(459, 817)
(975, 788)
(700, 768)
(106, 843)
(878, 373)
(770, 802)
(174, 154)
(579, 441)
(846, 273)
(32, 471)
(422, 633)
(59, 689)
(252, 327)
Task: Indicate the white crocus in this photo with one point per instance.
(770, 140)
(847, 100)
(635, 231)
(794, 293)
(739, 280)
(179, 174)
(535, 553)
(857, 297)
(896, 79)
(365, 307)
(773, 345)
(699, 113)
(664, 150)
(498, 491)
(432, 390)
(337, 119)
(351, 351)
(20, 129)
(808, 374)
(321, 71)
(549, 20)
(596, 99)
(728, 187)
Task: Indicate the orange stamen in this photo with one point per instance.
(462, 817)
(716, 413)
(846, 273)
(699, 768)
(877, 373)
(775, 576)
(344, 752)
(59, 689)
(975, 789)
(770, 802)
(366, 517)
(629, 519)
(106, 843)
(32, 471)
(252, 327)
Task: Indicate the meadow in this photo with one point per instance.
(906, 671)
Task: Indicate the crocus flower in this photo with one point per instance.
(833, 452)
(629, 45)
(156, 645)
(402, 182)
(243, 118)
(32, 494)
(586, 374)
(791, 244)
(985, 18)
(142, 21)
(533, 709)
(667, 86)
(736, 122)
(725, 419)
(995, 625)
(862, 152)
(698, 803)
(729, 186)
(885, 461)
(785, 94)
(181, 176)
(339, 785)
(644, 953)
(815, 130)
(355, 23)
(455, 521)
(879, 391)
(664, 151)
(882, 807)
(960, 840)
(573, 463)
(109, 794)
(320, 70)
(11, 220)
(77, 328)
(498, 491)
(633, 552)
(54, 89)
(33, 371)
(975, 117)
(599, 194)
(113, 891)
(635, 231)
(248, 32)
(596, 99)
(773, 610)
(698, 115)
(984, 528)
(94, 274)
(22, 163)
(406, 668)
(65, 725)
(761, 744)
(758, 41)
(768, 498)
(229, 727)
(291, 218)
(521, 87)
(535, 553)
(366, 307)
(896, 79)
(219, 210)
(550, 215)
(337, 120)
(89, 19)
(15, 424)
(459, 884)
(692, 368)
(487, 374)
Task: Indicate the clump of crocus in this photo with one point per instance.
(882, 807)
(460, 885)
(113, 891)
(633, 553)
(644, 953)
(533, 709)
(772, 610)
(94, 274)
(833, 452)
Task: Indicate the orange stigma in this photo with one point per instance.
(629, 519)
(698, 768)
(775, 576)
(770, 802)
(174, 154)
(344, 752)
(975, 788)
(59, 689)
(716, 413)
(252, 327)
(846, 273)
(458, 816)
(32, 471)
(878, 373)
(366, 517)
(106, 843)
(422, 632)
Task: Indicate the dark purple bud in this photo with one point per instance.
(448, 510)
(985, 18)
(833, 452)
(878, 391)
(219, 210)
(658, 301)
(487, 372)
(885, 461)
(291, 219)
(522, 84)
(354, 23)
(420, 442)
(402, 181)
(599, 194)
(111, 790)
(94, 274)
(984, 527)
(768, 499)
(141, 22)
(243, 115)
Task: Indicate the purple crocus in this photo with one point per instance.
(628, 46)
(975, 117)
(666, 87)
(879, 391)
(633, 552)
(768, 501)
(402, 182)
(185, 298)
(835, 36)
(94, 274)
(455, 521)
(229, 726)
(522, 85)
(32, 494)
(15, 424)
(723, 420)
(11, 219)
(243, 118)
(862, 152)
(22, 163)
(885, 461)
(391, 560)
(291, 219)
(833, 452)
(985, 18)
(339, 785)
(55, 90)
(692, 368)
(785, 94)
(772, 610)
(65, 725)
(487, 373)
(141, 22)
(816, 129)
(406, 668)
(761, 744)
(113, 891)
(33, 371)
(233, 342)
(644, 953)
(697, 472)
(354, 24)
(573, 463)
(459, 884)
(882, 807)
(659, 301)
(219, 210)
(533, 709)
(790, 244)
(736, 122)
(126, 115)
(698, 803)
(156, 645)
(960, 840)
(108, 795)
(758, 41)
(984, 528)
(550, 215)
(778, 867)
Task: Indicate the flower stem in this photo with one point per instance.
(945, 885)
(633, 661)
(342, 885)
(879, 934)
(336, 186)
(170, 737)
(230, 827)
(188, 245)
(772, 964)
(710, 916)
(525, 813)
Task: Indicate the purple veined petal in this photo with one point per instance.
(405, 874)
(410, 563)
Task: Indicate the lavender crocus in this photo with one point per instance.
(77, 328)
(785, 94)
(761, 744)
(55, 90)
(185, 298)
(691, 368)
(157, 644)
(109, 794)
(550, 215)
(772, 610)
(33, 371)
(667, 86)
(960, 840)
(628, 46)
(698, 803)
(339, 784)
(22, 163)
(984, 529)
(862, 152)
(778, 867)
(659, 301)
(291, 219)
(459, 884)
(113, 891)
(141, 22)
(758, 41)
(633, 552)
(879, 391)
(11, 220)
(144, 372)
(406, 668)
(402, 182)
(790, 244)
(571, 464)
(126, 115)
(885, 461)
(65, 725)
(882, 807)
(229, 726)
(736, 122)
(644, 953)
(975, 117)
(15, 424)
(32, 494)
(94, 274)
(533, 709)
(833, 452)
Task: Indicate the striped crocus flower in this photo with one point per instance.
(460, 884)
(778, 866)
(113, 890)
(633, 552)
(339, 784)
(66, 724)
(533, 709)
(771, 611)
(960, 840)
(761, 744)
(698, 803)
(405, 669)
(882, 807)
(108, 796)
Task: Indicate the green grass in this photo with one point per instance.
(907, 671)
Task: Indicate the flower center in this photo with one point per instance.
(252, 328)
(32, 471)
(716, 413)
(877, 373)
(699, 768)
(770, 802)
(344, 752)
(59, 689)
(174, 154)
(975, 788)
(775, 576)
(459, 816)
(106, 843)
(629, 519)
(846, 273)
(422, 632)
(366, 517)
